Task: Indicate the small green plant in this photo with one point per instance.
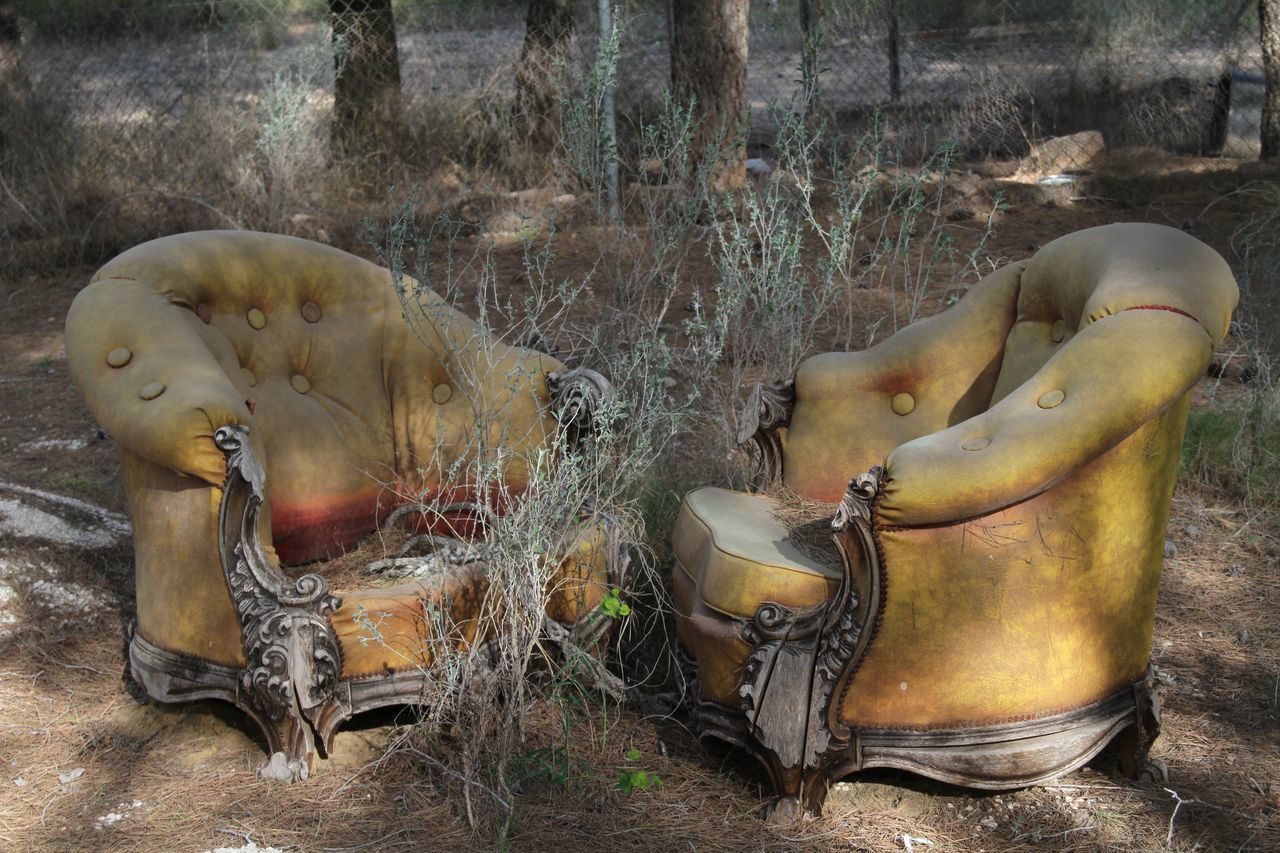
(613, 606)
(632, 779)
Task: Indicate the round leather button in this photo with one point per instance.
(1057, 331)
(151, 391)
(903, 404)
(119, 357)
(975, 444)
(1049, 399)
(311, 312)
(249, 378)
(441, 393)
(204, 313)
(256, 318)
(300, 383)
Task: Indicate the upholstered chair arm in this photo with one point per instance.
(148, 371)
(1106, 382)
(852, 408)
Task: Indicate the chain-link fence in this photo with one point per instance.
(215, 110)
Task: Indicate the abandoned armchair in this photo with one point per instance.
(985, 615)
(272, 406)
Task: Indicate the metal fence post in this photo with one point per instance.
(605, 12)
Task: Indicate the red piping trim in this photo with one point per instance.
(1162, 308)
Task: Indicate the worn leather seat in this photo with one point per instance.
(299, 357)
(992, 622)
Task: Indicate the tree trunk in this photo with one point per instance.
(1269, 19)
(548, 37)
(15, 88)
(366, 87)
(709, 67)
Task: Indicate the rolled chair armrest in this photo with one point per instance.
(149, 376)
(1110, 379)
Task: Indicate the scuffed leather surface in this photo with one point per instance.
(712, 639)
(1042, 606)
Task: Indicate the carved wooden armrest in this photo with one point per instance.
(577, 397)
(803, 657)
(292, 655)
(768, 408)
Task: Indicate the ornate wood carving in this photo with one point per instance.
(801, 656)
(768, 408)
(577, 397)
(293, 655)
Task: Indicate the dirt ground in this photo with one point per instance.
(86, 767)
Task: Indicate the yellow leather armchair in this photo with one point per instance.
(985, 615)
(273, 406)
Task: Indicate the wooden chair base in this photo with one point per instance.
(997, 757)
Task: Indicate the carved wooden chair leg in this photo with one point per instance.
(800, 793)
(1134, 743)
(291, 745)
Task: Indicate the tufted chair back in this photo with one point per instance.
(306, 345)
(1013, 330)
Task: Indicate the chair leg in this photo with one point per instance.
(800, 794)
(1134, 743)
(292, 745)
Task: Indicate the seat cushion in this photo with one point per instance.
(408, 625)
(738, 555)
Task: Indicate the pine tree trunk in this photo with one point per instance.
(15, 88)
(1269, 18)
(709, 66)
(366, 87)
(548, 38)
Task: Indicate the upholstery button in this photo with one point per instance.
(1058, 331)
(300, 383)
(903, 404)
(441, 393)
(249, 378)
(204, 313)
(1049, 399)
(150, 392)
(975, 443)
(119, 357)
(256, 318)
(311, 312)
